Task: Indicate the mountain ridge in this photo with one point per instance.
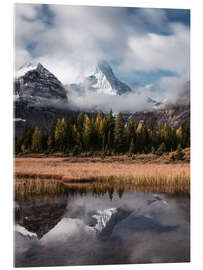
(40, 97)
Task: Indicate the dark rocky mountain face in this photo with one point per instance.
(40, 116)
(38, 84)
(39, 98)
(41, 217)
(174, 115)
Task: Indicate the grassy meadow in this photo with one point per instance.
(37, 174)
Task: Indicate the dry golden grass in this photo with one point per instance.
(58, 168)
(165, 177)
(35, 189)
(27, 188)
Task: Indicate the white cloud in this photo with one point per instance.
(155, 17)
(170, 88)
(80, 36)
(27, 30)
(153, 51)
(21, 56)
(28, 11)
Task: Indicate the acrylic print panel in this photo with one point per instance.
(102, 135)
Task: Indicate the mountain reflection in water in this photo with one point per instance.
(102, 229)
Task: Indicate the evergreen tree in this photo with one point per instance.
(37, 141)
(106, 134)
(44, 141)
(104, 128)
(132, 148)
(77, 137)
(119, 143)
(145, 136)
(161, 149)
(130, 133)
(110, 130)
(183, 134)
(168, 136)
(155, 138)
(87, 133)
(103, 143)
(98, 131)
(51, 143)
(110, 141)
(69, 135)
(73, 119)
(151, 125)
(80, 122)
(59, 134)
(142, 137)
(51, 137)
(17, 146)
(26, 138)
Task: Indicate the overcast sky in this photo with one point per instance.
(144, 46)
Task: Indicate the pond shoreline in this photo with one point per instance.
(97, 157)
(163, 176)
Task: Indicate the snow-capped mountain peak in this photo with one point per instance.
(28, 66)
(37, 84)
(104, 68)
(104, 81)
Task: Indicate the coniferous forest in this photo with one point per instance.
(102, 133)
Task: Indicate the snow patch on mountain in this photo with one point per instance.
(25, 68)
(102, 217)
(19, 119)
(23, 231)
(105, 81)
(101, 80)
(38, 86)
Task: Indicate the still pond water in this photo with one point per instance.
(128, 228)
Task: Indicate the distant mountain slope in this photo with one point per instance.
(174, 115)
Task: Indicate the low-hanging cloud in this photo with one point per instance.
(94, 101)
(166, 90)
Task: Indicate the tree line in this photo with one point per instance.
(102, 133)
